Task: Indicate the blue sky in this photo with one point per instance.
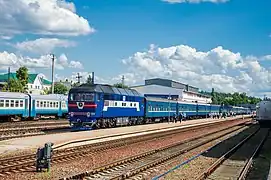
(126, 27)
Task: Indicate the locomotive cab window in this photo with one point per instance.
(81, 97)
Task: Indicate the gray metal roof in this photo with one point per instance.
(156, 89)
(104, 88)
(13, 95)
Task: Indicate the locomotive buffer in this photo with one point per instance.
(44, 156)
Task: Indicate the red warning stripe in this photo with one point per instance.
(72, 105)
(90, 105)
(85, 106)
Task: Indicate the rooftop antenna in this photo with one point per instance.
(53, 64)
(92, 77)
(8, 77)
(122, 81)
(78, 77)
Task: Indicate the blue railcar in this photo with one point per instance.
(187, 108)
(14, 106)
(17, 106)
(159, 110)
(104, 106)
(215, 108)
(203, 110)
(48, 105)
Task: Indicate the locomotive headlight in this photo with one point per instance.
(88, 114)
(72, 114)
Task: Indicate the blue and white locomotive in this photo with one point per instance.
(104, 106)
(17, 106)
(101, 105)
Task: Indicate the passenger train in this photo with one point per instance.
(20, 106)
(263, 112)
(101, 105)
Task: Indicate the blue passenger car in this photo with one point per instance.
(215, 108)
(188, 108)
(104, 106)
(203, 110)
(14, 106)
(160, 109)
(48, 105)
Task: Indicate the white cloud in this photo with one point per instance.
(222, 69)
(42, 17)
(6, 37)
(76, 64)
(194, 1)
(45, 61)
(43, 45)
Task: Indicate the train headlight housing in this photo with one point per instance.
(88, 114)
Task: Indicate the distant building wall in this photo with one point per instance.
(176, 93)
(170, 83)
(158, 81)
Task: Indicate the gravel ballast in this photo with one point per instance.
(195, 167)
(67, 169)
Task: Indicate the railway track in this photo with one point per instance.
(21, 163)
(261, 163)
(131, 166)
(236, 162)
(37, 123)
(10, 132)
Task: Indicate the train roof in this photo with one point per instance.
(160, 99)
(104, 88)
(50, 97)
(13, 95)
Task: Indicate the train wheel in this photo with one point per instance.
(15, 118)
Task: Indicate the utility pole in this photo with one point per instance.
(92, 78)
(53, 65)
(122, 81)
(78, 77)
(8, 78)
(169, 98)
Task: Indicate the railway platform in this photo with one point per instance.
(68, 139)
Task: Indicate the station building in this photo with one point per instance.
(165, 88)
(37, 83)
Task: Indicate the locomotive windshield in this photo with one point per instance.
(81, 97)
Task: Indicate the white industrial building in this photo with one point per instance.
(169, 88)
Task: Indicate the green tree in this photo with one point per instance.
(22, 76)
(59, 88)
(120, 85)
(14, 86)
(231, 99)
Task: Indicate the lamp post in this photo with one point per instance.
(169, 108)
(53, 64)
